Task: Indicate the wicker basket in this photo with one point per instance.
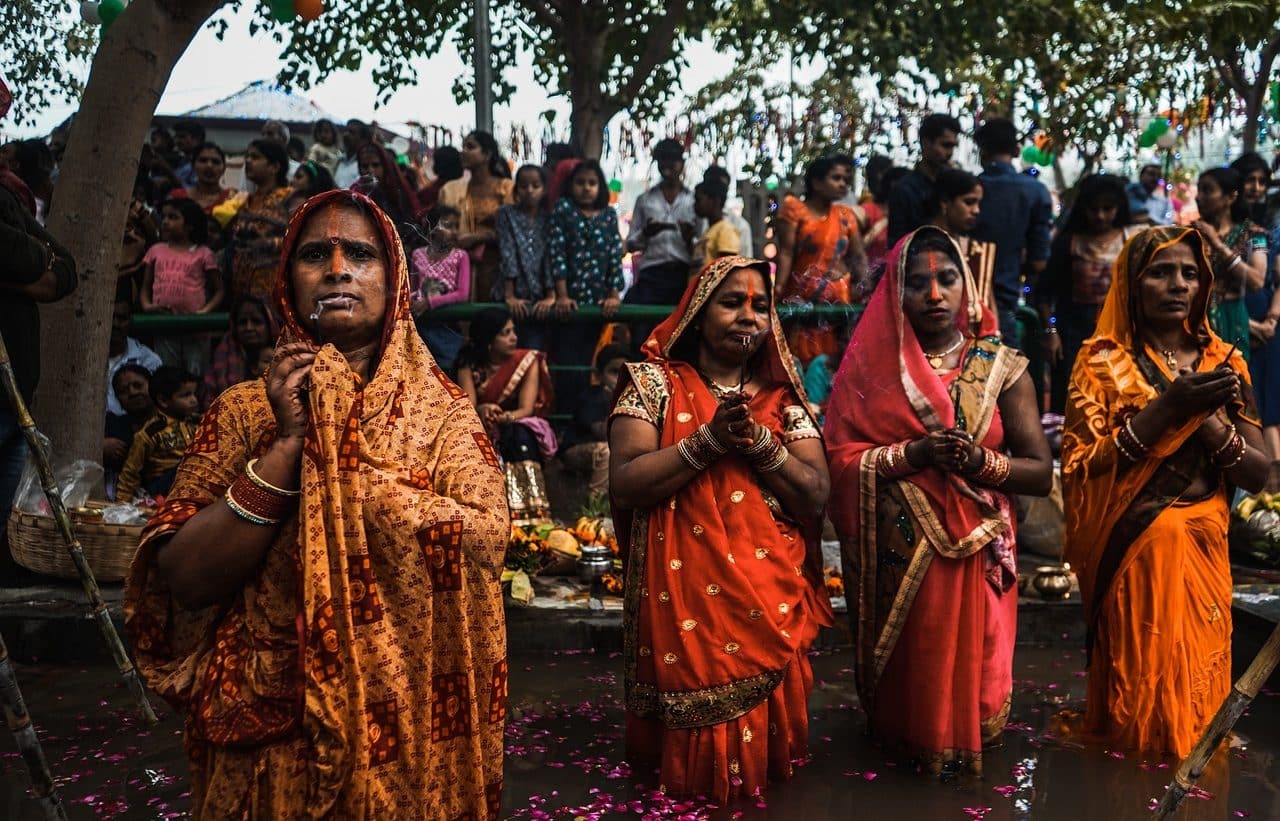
(37, 545)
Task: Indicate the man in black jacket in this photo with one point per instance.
(34, 268)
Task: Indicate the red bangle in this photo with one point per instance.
(257, 501)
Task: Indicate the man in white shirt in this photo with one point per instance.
(123, 350)
(720, 176)
(356, 134)
(663, 226)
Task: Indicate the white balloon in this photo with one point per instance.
(1168, 139)
(89, 12)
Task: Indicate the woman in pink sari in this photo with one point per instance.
(925, 444)
(511, 389)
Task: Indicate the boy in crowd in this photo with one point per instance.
(586, 444)
(721, 239)
(158, 448)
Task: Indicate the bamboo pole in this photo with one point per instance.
(24, 733)
(1242, 693)
(96, 603)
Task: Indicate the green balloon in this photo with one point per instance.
(1030, 154)
(1147, 139)
(282, 10)
(1158, 126)
(615, 185)
(1045, 159)
(108, 11)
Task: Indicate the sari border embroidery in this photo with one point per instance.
(902, 602)
(517, 375)
(866, 566)
(631, 604)
(703, 708)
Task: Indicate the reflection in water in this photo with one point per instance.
(565, 759)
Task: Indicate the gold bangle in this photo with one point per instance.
(264, 484)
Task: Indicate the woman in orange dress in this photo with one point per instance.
(821, 259)
(257, 230)
(718, 482)
(319, 597)
(1160, 426)
(932, 425)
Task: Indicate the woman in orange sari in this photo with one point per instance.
(718, 483)
(511, 389)
(319, 596)
(821, 259)
(932, 424)
(1160, 425)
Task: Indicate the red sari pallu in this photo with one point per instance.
(929, 558)
(724, 592)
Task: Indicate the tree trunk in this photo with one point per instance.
(587, 120)
(90, 205)
(1252, 108)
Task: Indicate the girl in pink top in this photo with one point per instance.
(182, 277)
(441, 271)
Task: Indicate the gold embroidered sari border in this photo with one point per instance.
(706, 707)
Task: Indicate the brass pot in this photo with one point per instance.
(1052, 583)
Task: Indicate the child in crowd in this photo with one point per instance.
(522, 244)
(325, 151)
(440, 274)
(586, 445)
(263, 363)
(182, 277)
(584, 252)
(721, 238)
(132, 387)
(158, 447)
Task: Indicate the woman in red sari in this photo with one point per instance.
(511, 389)
(718, 483)
(932, 424)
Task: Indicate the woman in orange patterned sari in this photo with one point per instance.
(718, 483)
(932, 424)
(319, 596)
(1160, 425)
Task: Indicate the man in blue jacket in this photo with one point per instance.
(1017, 213)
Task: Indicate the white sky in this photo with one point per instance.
(213, 68)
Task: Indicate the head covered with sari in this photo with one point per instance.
(1115, 376)
(751, 615)
(886, 392)
(390, 564)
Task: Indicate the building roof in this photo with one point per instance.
(263, 100)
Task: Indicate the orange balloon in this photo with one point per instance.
(308, 9)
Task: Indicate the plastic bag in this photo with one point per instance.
(74, 481)
(124, 514)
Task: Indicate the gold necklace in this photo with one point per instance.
(935, 360)
(1170, 359)
(718, 390)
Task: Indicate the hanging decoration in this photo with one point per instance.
(286, 11)
(1039, 153)
(101, 12)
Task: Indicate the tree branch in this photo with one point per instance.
(1231, 75)
(657, 50)
(544, 13)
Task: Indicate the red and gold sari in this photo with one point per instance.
(929, 557)
(362, 672)
(526, 486)
(724, 591)
(1152, 561)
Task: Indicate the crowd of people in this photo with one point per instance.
(336, 465)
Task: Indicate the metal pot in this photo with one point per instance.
(594, 561)
(1052, 583)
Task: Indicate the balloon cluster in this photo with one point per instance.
(1160, 133)
(1038, 153)
(615, 189)
(286, 10)
(101, 12)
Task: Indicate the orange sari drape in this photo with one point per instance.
(724, 592)
(929, 557)
(1152, 562)
(361, 672)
